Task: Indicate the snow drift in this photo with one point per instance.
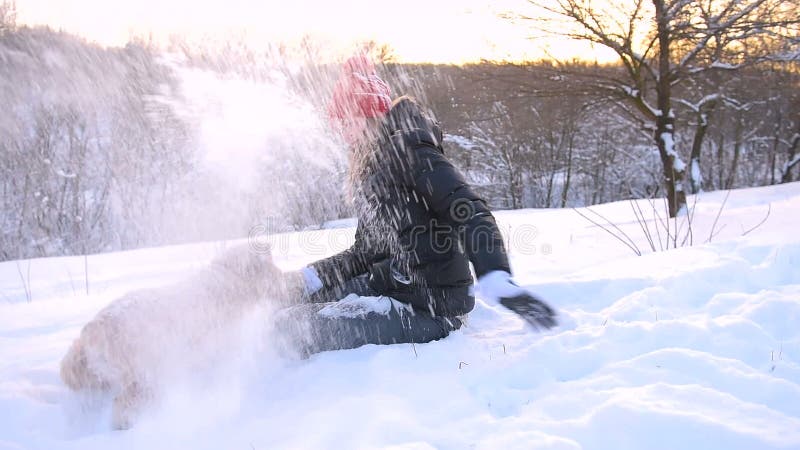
(695, 347)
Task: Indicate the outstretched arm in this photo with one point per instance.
(335, 270)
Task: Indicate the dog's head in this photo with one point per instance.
(253, 268)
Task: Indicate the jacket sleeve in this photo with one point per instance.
(356, 260)
(453, 201)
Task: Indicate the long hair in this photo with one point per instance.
(363, 156)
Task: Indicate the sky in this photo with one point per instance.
(439, 31)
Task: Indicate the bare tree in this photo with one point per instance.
(663, 43)
(379, 52)
(90, 146)
(793, 158)
(793, 143)
(8, 15)
(505, 150)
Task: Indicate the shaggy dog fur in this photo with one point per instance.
(137, 339)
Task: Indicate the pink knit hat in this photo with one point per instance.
(359, 92)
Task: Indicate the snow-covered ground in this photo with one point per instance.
(693, 348)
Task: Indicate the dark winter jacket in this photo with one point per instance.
(419, 222)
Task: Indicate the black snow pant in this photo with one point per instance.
(331, 321)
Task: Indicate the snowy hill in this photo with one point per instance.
(691, 348)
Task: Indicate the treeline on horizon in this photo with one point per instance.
(542, 137)
(95, 154)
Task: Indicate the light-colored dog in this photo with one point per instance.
(141, 337)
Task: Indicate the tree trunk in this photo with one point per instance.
(721, 161)
(737, 151)
(568, 176)
(515, 188)
(776, 139)
(792, 161)
(513, 182)
(674, 169)
(695, 176)
(771, 168)
(549, 196)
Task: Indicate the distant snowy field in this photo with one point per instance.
(694, 348)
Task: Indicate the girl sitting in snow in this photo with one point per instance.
(419, 226)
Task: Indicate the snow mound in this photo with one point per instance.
(695, 347)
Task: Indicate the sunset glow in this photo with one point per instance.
(442, 31)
